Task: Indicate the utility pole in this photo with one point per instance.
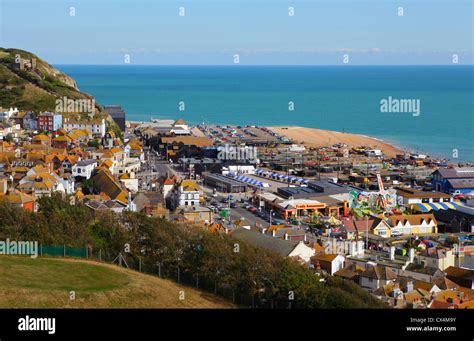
(367, 176)
(367, 232)
(319, 165)
(228, 206)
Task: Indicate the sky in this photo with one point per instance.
(260, 32)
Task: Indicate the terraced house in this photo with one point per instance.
(413, 224)
(95, 127)
(49, 121)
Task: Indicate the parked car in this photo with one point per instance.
(396, 233)
(251, 209)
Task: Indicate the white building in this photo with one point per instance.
(6, 114)
(188, 194)
(129, 165)
(84, 168)
(68, 183)
(376, 276)
(330, 262)
(239, 169)
(436, 258)
(95, 127)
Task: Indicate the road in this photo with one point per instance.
(155, 167)
(238, 212)
(152, 169)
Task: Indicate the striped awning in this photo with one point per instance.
(427, 207)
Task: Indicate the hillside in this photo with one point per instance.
(47, 282)
(33, 88)
(37, 87)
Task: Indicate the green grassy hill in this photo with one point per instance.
(47, 283)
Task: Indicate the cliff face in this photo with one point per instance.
(30, 83)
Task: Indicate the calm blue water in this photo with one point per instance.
(328, 97)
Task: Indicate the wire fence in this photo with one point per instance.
(173, 273)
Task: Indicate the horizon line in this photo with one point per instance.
(265, 65)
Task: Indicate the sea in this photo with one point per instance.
(424, 109)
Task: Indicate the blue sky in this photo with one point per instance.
(260, 31)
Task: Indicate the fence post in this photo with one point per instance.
(41, 249)
(87, 252)
(100, 254)
(64, 250)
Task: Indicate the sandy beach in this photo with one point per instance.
(313, 137)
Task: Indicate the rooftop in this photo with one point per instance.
(282, 247)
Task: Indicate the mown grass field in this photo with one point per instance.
(48, 282)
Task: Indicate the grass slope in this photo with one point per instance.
(47, 282)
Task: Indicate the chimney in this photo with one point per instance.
(130, 201)
(273, 233)
(360, 247)
(392, 252)
(412, 255)
(352, 248)
(287, 237)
